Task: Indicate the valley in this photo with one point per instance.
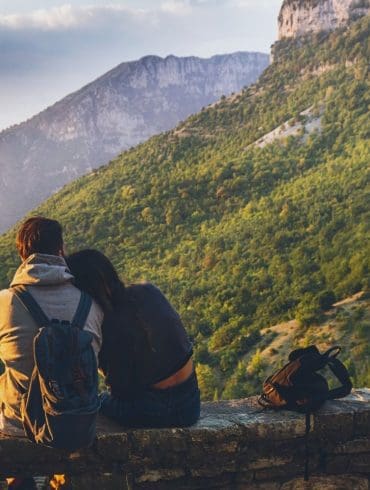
(252, 215)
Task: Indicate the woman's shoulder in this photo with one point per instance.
(143, 289)
(148, 296)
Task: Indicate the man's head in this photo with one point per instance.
(39, 235)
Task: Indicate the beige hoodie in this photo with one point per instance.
(49, 281)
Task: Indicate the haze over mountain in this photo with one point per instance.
(120, 109)
(250, 213)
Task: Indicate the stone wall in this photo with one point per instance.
(235, 445)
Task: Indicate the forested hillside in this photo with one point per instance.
(241, 236)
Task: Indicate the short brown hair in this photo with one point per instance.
(39, 235)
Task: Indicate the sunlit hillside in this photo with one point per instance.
(242, 234)
(346, 324)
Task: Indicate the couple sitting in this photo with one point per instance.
(138, 338)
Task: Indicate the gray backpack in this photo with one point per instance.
(61, 404)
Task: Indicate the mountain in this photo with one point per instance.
(300, 17)
(118, 110)
(253, 212)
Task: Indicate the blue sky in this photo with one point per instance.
(49, 48)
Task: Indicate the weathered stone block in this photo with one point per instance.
(272, 485)
(279, 472)
(359, 463)
(361, 423)
(359, 402)
(332, 423)
(157, 447)
(346, 482)
(337, 463)
(243, 477)
(270, 450)
(352, 447)
(271, 425)
(154, 476)
(112, 446)
(222, 482)
(269, 462)
(100, 482)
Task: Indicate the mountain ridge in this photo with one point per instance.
(121, 108)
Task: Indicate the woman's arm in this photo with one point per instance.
(116, 359)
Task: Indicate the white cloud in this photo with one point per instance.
(248, 4)
(57, 17)
(67, 17)
(177, 7)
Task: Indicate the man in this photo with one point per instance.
(45, 274)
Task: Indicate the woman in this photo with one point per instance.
(146, 353)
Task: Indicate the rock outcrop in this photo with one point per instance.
(124, 107)
(300, 17)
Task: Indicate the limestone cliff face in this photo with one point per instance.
(300, 17)
(122, 108)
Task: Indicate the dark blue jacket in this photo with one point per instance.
(144, 342)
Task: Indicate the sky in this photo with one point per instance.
(49, 48)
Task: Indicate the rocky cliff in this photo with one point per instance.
(122, 108)
(300, 17)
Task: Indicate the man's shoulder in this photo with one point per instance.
(6, 296)
(10, 308)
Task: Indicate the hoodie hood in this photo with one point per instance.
(43, 270)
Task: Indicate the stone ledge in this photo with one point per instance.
(235, 444)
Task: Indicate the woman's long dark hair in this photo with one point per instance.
(95, 274)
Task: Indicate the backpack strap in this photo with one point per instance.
(340, 372)
(31, 305)
(306, 447)
(40, 317)
(83, 310)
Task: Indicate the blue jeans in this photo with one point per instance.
(178, 406)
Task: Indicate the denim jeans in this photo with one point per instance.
(178, 406)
